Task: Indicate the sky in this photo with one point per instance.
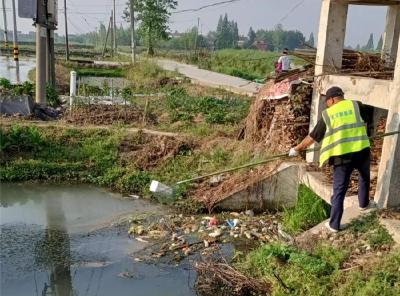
(302, 15)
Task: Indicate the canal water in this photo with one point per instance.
(8, 71)
(53, 242)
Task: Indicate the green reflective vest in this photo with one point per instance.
(346, 131)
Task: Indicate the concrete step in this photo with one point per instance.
(393, 227)
(316, 181)
(351, 213)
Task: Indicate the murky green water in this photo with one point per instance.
(50, 246)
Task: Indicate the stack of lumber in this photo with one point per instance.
(377, 144)
(277, 125)
(354, 62)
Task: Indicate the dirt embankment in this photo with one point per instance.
(146, 152)
(271, 127)
(108, 115)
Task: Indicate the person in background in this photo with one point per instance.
(283, 64)
(345, 145)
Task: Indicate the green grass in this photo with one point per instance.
(308, 212)
(334, 257)
(301, 273)
(99, 72)
(248, 64)
(182, 107)
(244, 63)
(51, 154)
(376, 234)
(145, 76)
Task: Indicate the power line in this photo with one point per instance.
(73, 25)
(290, 11)
(205, 6)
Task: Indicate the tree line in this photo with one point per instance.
(152, 17)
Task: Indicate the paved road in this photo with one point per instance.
(209, 78)
(212, 79)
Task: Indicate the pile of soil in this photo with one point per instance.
(168, 81)
(107, 115)
(148, 151)
(277, 125)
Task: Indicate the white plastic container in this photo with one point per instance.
(160, 188)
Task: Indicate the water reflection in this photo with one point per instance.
(8, 69)
(41, 253)
(53, 251)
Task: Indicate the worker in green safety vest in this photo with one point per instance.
(345, 145)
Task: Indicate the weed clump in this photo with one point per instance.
(182, 107)
(295, 272)
(20, 138)
(146, 75)
(375, 233)
(245, 63)
(309, 211)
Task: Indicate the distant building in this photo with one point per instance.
(242, 42)
(176, 34)
(9, 35)
(260, 45)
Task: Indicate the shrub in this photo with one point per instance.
(136, 182)
(111, 176)
(52, 97)
(5, 83)
(21, 138)
(26, 88)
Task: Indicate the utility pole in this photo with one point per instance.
(66, 31)
(115, 30)
(50, 58)
(41, 34)
(108, 31)
(5, 26)
(133, 43)
(112, 33)
(41, 64)
(197, 37)
(51, 25)
(15, 34)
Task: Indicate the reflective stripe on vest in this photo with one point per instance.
(346, 131)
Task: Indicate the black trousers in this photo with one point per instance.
(360, 161)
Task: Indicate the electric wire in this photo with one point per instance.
(205, 6)
(290, 11)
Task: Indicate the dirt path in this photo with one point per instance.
(211, 79)
(130, 130)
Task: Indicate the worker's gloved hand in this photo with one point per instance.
(293, 153)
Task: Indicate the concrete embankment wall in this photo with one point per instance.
(273, 192)
(280, 190)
